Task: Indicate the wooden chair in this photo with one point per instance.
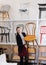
(32, 53)
(15, 54)
(5, 11)
(31, 37)
(42, 54)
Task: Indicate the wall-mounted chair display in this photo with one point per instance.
(5, 32)
(5, 11)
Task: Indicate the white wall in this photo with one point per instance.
(16, 4)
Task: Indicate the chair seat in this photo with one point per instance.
(31, 50)
(32, 57)
(16, 57)
(30, 38)
(42, 58)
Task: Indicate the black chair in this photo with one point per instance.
(4, 33)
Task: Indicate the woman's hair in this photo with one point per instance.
(17, 28)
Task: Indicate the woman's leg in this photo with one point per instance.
(21, 60)
(26, 60)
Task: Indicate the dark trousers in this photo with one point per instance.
(21, 61)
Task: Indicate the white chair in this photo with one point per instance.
(3, 60)
(5, 11)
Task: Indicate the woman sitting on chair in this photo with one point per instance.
(22, 51)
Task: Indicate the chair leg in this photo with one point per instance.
(2, 16)
(41, 38)
(8, 15)
(36, 42)
(1, 38)
(8, 37)
(34, 62)
(33, 43)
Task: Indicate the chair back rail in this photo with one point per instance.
(33, 25)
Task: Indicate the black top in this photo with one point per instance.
(19, 41)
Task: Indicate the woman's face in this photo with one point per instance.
(19, 30)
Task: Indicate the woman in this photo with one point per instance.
(22, 51)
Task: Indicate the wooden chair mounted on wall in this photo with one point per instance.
(31, 37)
(4, 33)
(5, 11)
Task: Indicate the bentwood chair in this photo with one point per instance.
(5, 11)
(30, 29)
(31, 37)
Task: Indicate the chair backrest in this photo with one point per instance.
(30, 28)
(43, 29)
(5, 8)
(4, 29)
(31, 50)
(3, 59)
(15, 50)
